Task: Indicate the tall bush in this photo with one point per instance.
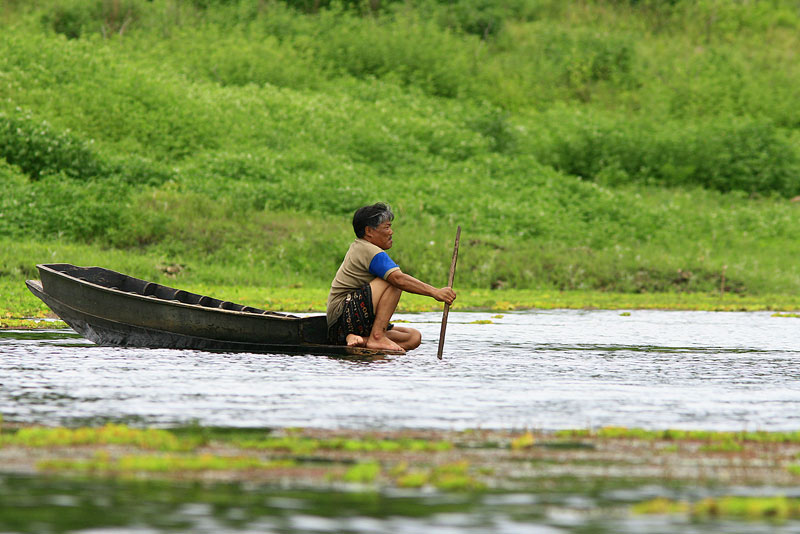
(75, 18)
(724, 154)
(40, 150)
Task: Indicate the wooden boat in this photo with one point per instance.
(111, 308)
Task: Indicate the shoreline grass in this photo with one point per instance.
(19, 309)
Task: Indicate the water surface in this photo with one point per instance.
(543, 369)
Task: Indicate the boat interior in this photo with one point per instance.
(122, 282)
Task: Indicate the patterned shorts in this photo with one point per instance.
(356, 318)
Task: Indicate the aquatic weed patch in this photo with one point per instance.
(525, 441)
(104, 463)
(455, 476)
(777, 508)
(305, 445)
(682, 435)
(362, 472)
(110, 434)
(9, 323)
(468, 461)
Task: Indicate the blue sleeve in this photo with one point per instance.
(381, 264)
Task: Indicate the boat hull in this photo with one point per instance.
(113, 309)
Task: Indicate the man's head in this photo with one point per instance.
(374, 223)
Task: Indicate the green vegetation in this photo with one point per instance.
(722, 446)
(606, 147)
(109, 434)
(683, 435)
(102, 463)
(194, 449)
(778, 508)
(448, 477)
(362, 473)
(467, 461)
(525, 441)
(303, 445)
(29, 324)
(293, 443)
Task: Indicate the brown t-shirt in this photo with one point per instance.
(363, 262)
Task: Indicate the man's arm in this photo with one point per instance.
(406, 282)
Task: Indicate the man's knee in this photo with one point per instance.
(408, 338)
(381, 288)
(415, 340)
(378, 284)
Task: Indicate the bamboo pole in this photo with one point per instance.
(449, 284)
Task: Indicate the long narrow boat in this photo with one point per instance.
(111, 308)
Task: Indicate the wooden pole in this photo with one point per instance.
(449, 284)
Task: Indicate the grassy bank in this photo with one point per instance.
(612, 147)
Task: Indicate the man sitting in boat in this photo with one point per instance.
(367, 287)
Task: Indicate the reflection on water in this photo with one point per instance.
(42, 504)
(548, 370)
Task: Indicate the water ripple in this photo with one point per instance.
(549, 370)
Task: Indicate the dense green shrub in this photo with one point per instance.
(40, 150)
(139, 170)
(135, 107)
(233, 57)
(539, 63)
(406, 49)
(55, 207)
(588, 56)
(483, 18)
(74, 18)
(726, 154)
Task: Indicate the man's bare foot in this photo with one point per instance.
(355, 341)
(383, 343)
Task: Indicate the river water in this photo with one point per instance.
(541, 370)
(538, 369)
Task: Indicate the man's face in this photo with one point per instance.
(380, 236)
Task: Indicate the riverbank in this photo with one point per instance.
(20, 309)
(598, 145)
(757, 464)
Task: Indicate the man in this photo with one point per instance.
(367, 287)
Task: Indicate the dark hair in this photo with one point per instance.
(372, 216)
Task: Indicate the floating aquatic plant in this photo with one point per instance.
(110, 434)
(726, 507)
(306, 445)
(525, 441)
(452, 476)
(682, 435)
(364, 472)
(102, 462)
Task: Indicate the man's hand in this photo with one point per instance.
(445, 294)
